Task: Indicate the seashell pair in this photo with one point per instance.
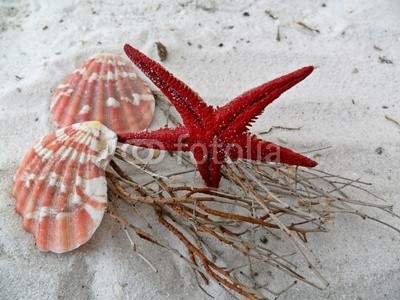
(106, 88)
(60, 187)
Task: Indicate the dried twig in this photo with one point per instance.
(392, 120)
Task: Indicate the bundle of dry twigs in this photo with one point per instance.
(225, 231)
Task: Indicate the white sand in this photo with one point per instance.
(343, 105)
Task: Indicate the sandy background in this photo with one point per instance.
(220, 48)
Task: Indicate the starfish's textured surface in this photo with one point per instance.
(214, 133)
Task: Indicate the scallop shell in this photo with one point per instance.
(60, 187)
(105, 88)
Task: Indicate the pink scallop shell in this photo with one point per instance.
(105, 88)
(60, 187)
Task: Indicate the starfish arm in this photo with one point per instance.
(171, 139)
(241, 111)
(209, 162)
(250, 147)
(211, 173)
(187, 102)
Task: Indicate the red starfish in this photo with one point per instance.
(213, 133)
